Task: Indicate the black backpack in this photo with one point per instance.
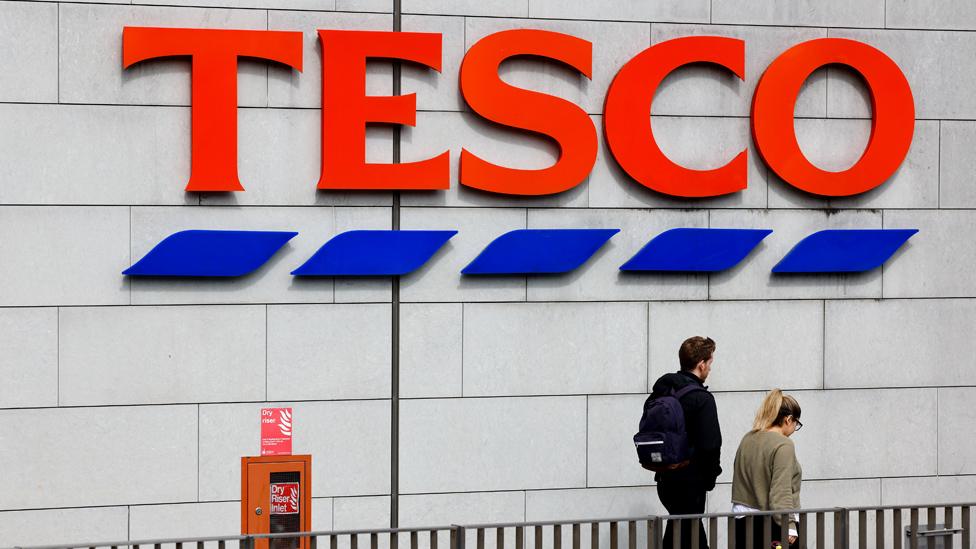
(662, 441)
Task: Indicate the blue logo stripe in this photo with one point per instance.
(374, 253)
(696, 250)
(538, 251)
(843, 250)
(210, 253)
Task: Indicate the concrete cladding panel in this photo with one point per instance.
(679, 11)
(90, 45)
(349, 442)
(900, 343)
(440, 279)
(57, 526)
(833, 144)
(494, 8)
(94, 154)
(600, 277)
(462, 508)
(161, 355)
(957, 165)
(694, 142)
(359, 513)
(480, 444)
(321, 352)
(930, 60)
(939, 260)
(923, 14)
(614, 43)
(543, 505)
(279, 162)
(753, 279)
(927, 489)
(611, 421)
(290, 88)
(704, 89)
(832, 13)
(184, 520)
(554, 348)
(895, 427)
(74, 457)
(430, 350)
(28, 357)
(63, 255)
(29, 40)
(759, 344)
(957, 450)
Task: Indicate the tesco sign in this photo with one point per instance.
(346, 109)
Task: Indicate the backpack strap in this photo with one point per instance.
(689, 388)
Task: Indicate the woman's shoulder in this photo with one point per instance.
(766, 438)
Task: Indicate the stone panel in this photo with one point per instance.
(318, 5)
(554, 348)
(936, 262)
(28, 357)
(600, 277)
(185, 520)
(934, 62)
(430, 350)
(614, 43)
(63, 255)
(759, 344)
(58, 526)
(753, 279)
(611, 421)
(837, 145)
(680, 11)
(90, 58)
(102, 456)
(957, 451)
(914, 490)
(709, 90)
(29, 40)
(280, 160)
(436, 91)
(325, 352)
(271, 283)
(462, 508)
(921, 14)
(697, 143)
(897, 427)
(822, 13)
(957, 186)
(349, 441)
(361, 513)
(87, 154)
(482, 444)
(437, 132)
(290, 88)
(161, 355)
(440, 279)
(899, 343)
(493, 8)
(592, 503)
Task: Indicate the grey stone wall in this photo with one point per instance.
(125, 405)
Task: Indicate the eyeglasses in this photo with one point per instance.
(798, 424)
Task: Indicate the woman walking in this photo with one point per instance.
(766, 474)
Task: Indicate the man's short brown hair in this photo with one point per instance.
(694, 350)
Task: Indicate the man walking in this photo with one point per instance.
(682, 491)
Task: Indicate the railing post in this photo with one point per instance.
(459, 537)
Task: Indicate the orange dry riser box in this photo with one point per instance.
(276, 497)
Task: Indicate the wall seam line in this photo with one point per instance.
(58, 356)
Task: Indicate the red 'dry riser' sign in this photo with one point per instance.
(627, 128)
(284, 498)
(276, 431)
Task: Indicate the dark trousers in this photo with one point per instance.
(680, 498)
(758, 527)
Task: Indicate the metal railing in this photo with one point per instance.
(943, 526)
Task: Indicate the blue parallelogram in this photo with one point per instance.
(843, 250)
(695, 250)
(374, 253)
(210, 253)
(538, 251)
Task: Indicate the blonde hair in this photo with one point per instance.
(774, 409)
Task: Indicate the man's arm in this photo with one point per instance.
(708, 443)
